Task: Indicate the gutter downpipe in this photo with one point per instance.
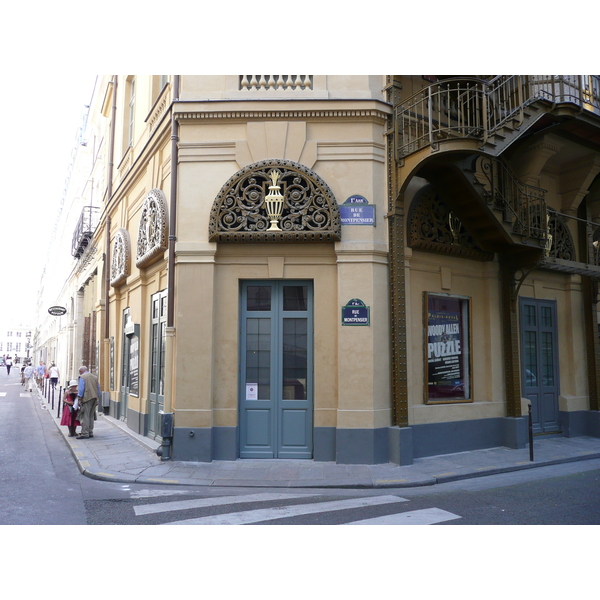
(167, 424)
(109, 191)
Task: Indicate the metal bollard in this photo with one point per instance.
(530, 434)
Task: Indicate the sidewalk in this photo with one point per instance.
(117, 454)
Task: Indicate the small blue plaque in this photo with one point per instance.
(356, 313)
(356, 210)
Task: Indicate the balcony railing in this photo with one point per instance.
(471, 108)
(84, 231)
(276, 82)
(522, 205)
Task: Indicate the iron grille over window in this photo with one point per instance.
(85, 229)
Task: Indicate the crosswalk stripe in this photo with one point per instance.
(426, 516)
(148, 509)
(280, 512)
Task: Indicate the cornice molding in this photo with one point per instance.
(366, 114)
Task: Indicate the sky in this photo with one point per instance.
(41, 119)
(44, 115)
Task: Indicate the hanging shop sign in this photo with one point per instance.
(57, 311)
(356, 210)
(356, 313)
(448, 348)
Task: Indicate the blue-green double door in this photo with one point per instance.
(539, 361)
(276, 369)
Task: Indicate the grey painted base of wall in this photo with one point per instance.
(398, 445)
(461, 436)
(581, 422)
(136, 421)
(205, 445)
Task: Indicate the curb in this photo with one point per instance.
(424, 481)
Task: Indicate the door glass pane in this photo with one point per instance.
(529, 315)
(295, 359)
(546, 316)
(258, 356)
(530, 359)
(154, 358)
(259, 297)
(295, 297)
(163, 336)
(547, 359)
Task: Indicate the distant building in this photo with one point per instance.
(15, 341)
(358, 269)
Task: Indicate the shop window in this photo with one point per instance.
(447, 348)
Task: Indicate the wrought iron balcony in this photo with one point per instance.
(84, 231)
(472, 108)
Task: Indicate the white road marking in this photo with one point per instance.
(156, 493)
(268, 514)
(427, 516)
(148, 509)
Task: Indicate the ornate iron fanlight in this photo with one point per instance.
(272, 201)
(433, 227)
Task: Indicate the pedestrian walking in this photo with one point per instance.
(28, 372)
(54, 374)
(70, 412)
(88, 392)
(41, 373)
(8, 364)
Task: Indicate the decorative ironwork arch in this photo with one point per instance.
(561, 239)
(120, 267)
(433, 227)
(309, 212)
(153, 233)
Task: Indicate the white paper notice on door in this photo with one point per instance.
(252, 391)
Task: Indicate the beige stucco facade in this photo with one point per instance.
(168, 281)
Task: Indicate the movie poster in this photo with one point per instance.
(448, 348)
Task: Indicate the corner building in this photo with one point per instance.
(353, 268)
(236, 327)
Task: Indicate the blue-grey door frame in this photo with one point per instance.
(539, 362)
(276, 355)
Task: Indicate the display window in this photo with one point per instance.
(448, 369)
